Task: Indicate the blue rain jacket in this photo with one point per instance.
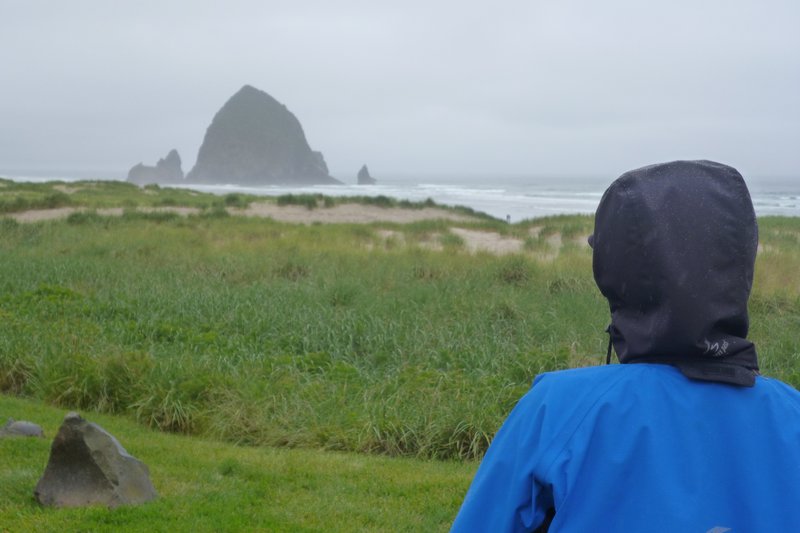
(641, 448)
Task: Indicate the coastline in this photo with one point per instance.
(347, 213)
(512, 198)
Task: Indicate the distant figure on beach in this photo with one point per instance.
(684, 435)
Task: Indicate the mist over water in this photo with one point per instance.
(515, 197)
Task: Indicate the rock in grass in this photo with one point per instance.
(21, 428)
(88, 466)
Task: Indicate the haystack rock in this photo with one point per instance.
(88, 466)
(256, 140)
(167, 170)
(364, 178)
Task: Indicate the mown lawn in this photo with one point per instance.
(210, 486)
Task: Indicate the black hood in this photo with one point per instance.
(674, 248)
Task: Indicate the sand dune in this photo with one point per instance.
(474, 240)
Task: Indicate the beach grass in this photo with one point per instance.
(329, 336)
(287, 357)
(269, 333)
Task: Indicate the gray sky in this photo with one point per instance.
(415, 87)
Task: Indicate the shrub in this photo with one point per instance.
(308, 200)
(85, 218)
(236, 200)
(515, 270)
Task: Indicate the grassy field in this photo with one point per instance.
(265, 333)
(207, 486)
(387, 339)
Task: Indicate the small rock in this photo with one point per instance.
(88, 466)
(21, 428)
(167, 170)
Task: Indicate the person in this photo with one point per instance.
(684, 435)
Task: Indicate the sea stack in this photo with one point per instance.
(364, 178)
(256, 140)
(167, 170)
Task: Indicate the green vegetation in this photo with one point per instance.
(20, 196)
(381, 338)
(15, 197)
(314, 201)
(325, 336)
(260, 332)
(775, 303)
(310, 201)
(205, 486)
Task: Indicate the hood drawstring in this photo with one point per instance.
(608, 351)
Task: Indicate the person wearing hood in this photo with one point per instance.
(684, 435)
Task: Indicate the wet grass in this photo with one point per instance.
(248, 337)
(330, 336)
(207, 486)
(268, 333)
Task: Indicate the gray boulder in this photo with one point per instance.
(167, 170)
(88, 466)
(21, 428)
(364, 178)
(256, 140)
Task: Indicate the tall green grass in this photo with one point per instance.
(16, 196)
(266, 333)
(325, 336)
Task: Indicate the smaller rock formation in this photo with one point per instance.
(21, 428)
(88, 466)
(167, 170)
(364, 178)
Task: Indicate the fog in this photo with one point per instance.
(414, 87)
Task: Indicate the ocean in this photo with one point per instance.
(513, 198)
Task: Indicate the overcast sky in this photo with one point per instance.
(568, 87)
